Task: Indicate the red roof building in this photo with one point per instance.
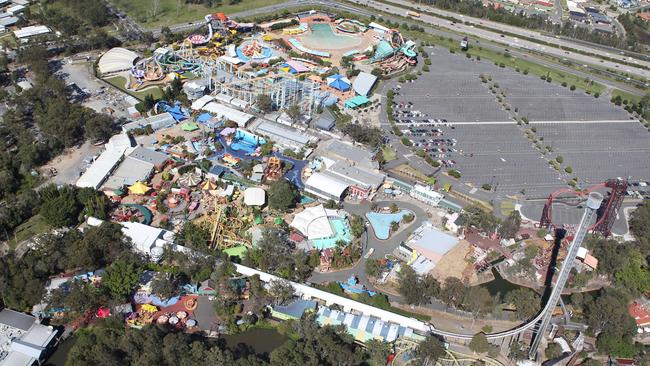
(640, 314)
(645, 16)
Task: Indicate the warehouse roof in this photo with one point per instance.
(116, 59)
(364, 83)
(100, 168)
(150, 156)
(239, 117)
(321, 182)
(278, 132)
(31, 31)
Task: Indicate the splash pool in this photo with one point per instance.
(380, 222)
(247, 142)
(341, 232)
(323, 37)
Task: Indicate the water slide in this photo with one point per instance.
(408, 49)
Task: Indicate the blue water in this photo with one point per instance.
(306, 200)
(266, 53)
(247, 142)
(323, 35)
(380, 222)
(341, 232)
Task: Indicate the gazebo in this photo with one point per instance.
(139, 188)
(209, 185)
(189, 179)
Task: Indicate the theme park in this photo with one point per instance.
(317, 187)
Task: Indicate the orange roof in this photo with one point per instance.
(644, 16)
(639, 313)
(591, 261)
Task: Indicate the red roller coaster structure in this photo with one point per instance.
(606, 213)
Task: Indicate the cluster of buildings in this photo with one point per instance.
(23, 340)
(10, 14)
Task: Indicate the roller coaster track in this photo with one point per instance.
(451, 358)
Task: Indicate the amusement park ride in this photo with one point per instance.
(606, 213)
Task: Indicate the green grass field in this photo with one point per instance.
(169, 12)
(389, 153)
(626, 96)
(35, 225)
(120, 81)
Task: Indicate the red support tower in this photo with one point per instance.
(613, 204)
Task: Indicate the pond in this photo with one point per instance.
(261, 340)
(381, 222)
(499, 286)
(323, 37)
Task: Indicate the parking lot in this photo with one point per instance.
(452, 115)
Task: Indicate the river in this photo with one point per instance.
(499, 286)
(259, 340)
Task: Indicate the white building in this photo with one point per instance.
(23, 341)
(101, 168)
(426, 194)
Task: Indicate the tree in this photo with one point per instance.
(510, 226)
(282, 195)
(281, 290)
(607, 316)
(635, 276)
(479, 343)
(165, 285)
(394, 208)
(99, 127)
(63, 210)
(430, 350)
(553, 350)
(416, 290)
(378, 351)
(478, 301)
(525, 301)
(518, 351)
(294, 113)
(121, 277)
(453, 292)
(264, 103)
(373, 269)
(357, 226)
(194, 236)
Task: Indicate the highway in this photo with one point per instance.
(471, 25)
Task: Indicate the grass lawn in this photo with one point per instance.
(170, 13)
(507, 207)
(120, 81)
(409, 171)
(626, 96)
(35, 225)
(389, 153)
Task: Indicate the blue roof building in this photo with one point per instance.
(293, 310)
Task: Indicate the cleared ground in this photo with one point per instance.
(170, 12)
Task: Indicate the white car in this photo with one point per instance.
(372, 250)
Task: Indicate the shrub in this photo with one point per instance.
(526, 72)
(564, 84)
(487, 187)
(454, 173)
(568, 169)
(559, 159)
(573, 87)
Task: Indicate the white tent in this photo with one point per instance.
(325, 186)
(254, 196)
(313, 223)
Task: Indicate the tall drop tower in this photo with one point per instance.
(588, 217)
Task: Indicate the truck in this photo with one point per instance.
(413, 14)
(464, 44)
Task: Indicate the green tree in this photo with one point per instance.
(518, 351)
(165, 285)
(357, 226)
(453, 292)
(510, 226)
(282, 195)
(479, 343)
(372, 267)
(416, 290)
(635, 276)
(553, 350)
(121, 277)
(194, 236)
(62, 210)
(264, 103)
(430, 350)
(378, 351)
(478, 301)
(526, 302)
(100, 127)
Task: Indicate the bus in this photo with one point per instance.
(413, 14)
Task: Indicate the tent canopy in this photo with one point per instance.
(313, 223)
(139, 188)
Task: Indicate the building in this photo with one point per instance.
(101, 168)
(362, 182)
(641, 316)
(365, 327)
(23, 341)
(313, 222)
(325, 123)
(287, 137)
(430, 242)
(24, 34)
(153, 157)
(353, 154)
(364, 83)
(116, 60)
(426, 194)
(226, 113)
(294, 310)
(325, 186)
(129, 172)
(157, 122)
(254, 196)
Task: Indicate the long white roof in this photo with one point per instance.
(254, 196)
(116, 59)
(326, 183)
(239, 117)
(100, 168)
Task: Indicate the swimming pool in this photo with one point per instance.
(246, 142)
(341, 232)
(380, 222)
(323, 37)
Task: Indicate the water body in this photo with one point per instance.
(323, 37)
(499, 286)
(60, 355)
(258, 340)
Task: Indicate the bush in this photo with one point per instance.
(526, 72)
(568, 169)
(596, 94)
(454, 173)
(487, 187)
(559, 159)
(573, 87)
(564, 84)
(406, 141)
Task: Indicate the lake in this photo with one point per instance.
(499, 286)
